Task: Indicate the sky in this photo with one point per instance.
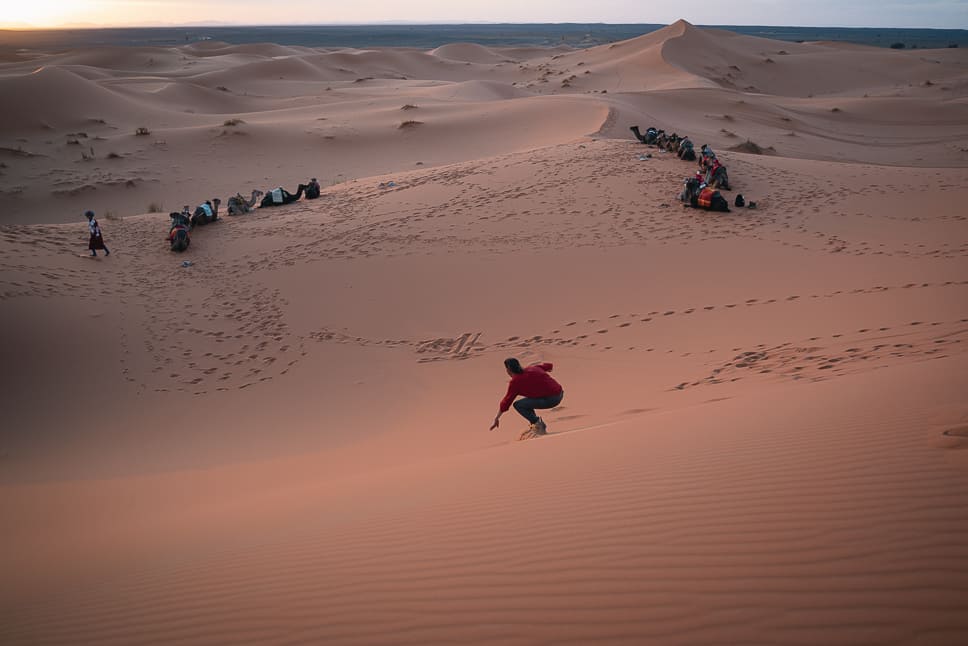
(950, 14)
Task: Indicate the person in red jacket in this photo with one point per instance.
(539, 389)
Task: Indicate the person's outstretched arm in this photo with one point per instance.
(504, 405)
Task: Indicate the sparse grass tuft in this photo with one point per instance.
(409, 106)
(114, 155)
(835, 109)
(410, 124)
(156, 207)
(232, 122)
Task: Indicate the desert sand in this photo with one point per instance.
(764, 436)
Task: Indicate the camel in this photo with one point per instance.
(239, 205)
(716, 176)
(672, 142)
(699, 196)
(650, 134)
(179, 236)
(279, 195)
(686, 151)
(205, 213)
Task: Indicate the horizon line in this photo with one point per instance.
(390, 23)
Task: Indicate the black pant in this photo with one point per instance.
(527, 405)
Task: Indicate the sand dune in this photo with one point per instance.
(280, 435)
(468, 52)
(35, 102)
(816, 101)
(123, 59)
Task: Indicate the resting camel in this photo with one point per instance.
(698, 196)
(686, 151)
(179, 236)
(279, 195)
(239, 205)
(205, 213)
(716, 175)
(672, 142)
(651, 134)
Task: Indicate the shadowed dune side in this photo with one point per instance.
(138, 60)
(37, 103)
(262, 50)
(468, 52)
(472, 91)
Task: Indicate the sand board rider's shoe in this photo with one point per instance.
(539, 427)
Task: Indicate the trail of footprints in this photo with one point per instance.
(807, 359)
(816, 362)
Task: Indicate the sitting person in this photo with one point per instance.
(312, 189)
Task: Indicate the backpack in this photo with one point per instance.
(739, 200)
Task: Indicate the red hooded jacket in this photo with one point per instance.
(533, 382)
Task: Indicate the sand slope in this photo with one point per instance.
(764, 437)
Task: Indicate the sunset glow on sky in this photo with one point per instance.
(952, 14)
